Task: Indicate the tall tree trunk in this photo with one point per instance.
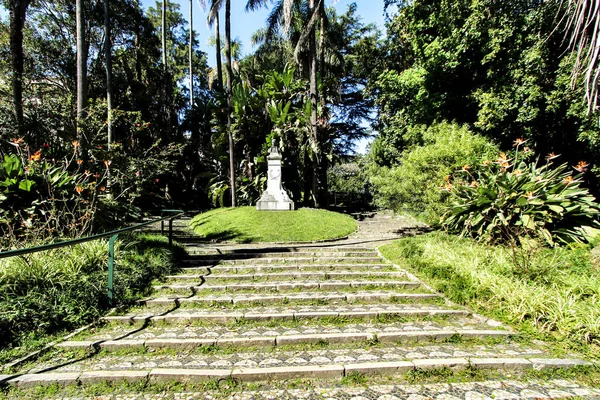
(322, 173)
(314, 99)
(18, 9)
(229, 76)
(164, 34)
(218, 44)
(190, 56)
(81, 70)
(109, 92)
(138, 45)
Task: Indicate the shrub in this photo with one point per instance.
(414, 185)
(41, 197)
(511, 199)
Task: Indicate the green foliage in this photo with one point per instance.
(348, 177)
(246, 224)
(415, 185)
(502, 68)
(508, 199)
(61, 289)
(41, 198)
(554, 293)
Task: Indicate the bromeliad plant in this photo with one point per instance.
(511, 199)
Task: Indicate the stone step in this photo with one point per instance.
(224, 250)
(288, 313)
(301, 297)
(342, 269)
(291, 340)
(245, 329)
(283, 260)
(284, 286)
(253, 374)
(284, 254)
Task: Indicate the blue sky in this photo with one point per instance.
(243, 24)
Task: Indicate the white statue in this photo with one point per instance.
(274, 198)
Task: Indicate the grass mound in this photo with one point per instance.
(246, 225)
(553, 292)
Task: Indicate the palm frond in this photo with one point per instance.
(583, 27)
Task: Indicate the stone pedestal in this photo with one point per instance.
(274, 198)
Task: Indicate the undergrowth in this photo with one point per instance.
(550, 292)
(46, 293)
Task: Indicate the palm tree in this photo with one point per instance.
(214, 19)
(583, 24)
(282, 16)
(18, 10)
(216, 6)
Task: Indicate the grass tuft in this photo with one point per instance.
(553, 293)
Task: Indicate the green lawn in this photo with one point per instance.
(246, 225)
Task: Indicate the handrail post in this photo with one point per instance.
(171, 232)
(111, 269)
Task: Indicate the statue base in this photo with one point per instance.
(278, 202)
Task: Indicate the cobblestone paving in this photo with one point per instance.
(273, 358)
(316, 331)
(214, 331)
(487, 390)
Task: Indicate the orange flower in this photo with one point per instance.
(36, 156)
(529, 195)
(96, 175)
(79, 162)
(79, 189)
(581, 166)
(502, 158)
(474, 184)
(526, 149)
(448, 186)
(551, 156)
(107, 163)
(18, 141)
(487, 163)
(466, 167)
(75, 143)
(568, 180)
(518, 142)
(102, 188)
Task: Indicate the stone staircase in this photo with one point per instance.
(325, 313)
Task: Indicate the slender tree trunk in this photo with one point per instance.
(109, 92)
(81, 70)
(164, 34)
(18, 9)
(229, 76)
(190, 56)
(322, 173)
(218, 44)
(314, 96)
(138, 62)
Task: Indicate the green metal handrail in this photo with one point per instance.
(111, 244)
